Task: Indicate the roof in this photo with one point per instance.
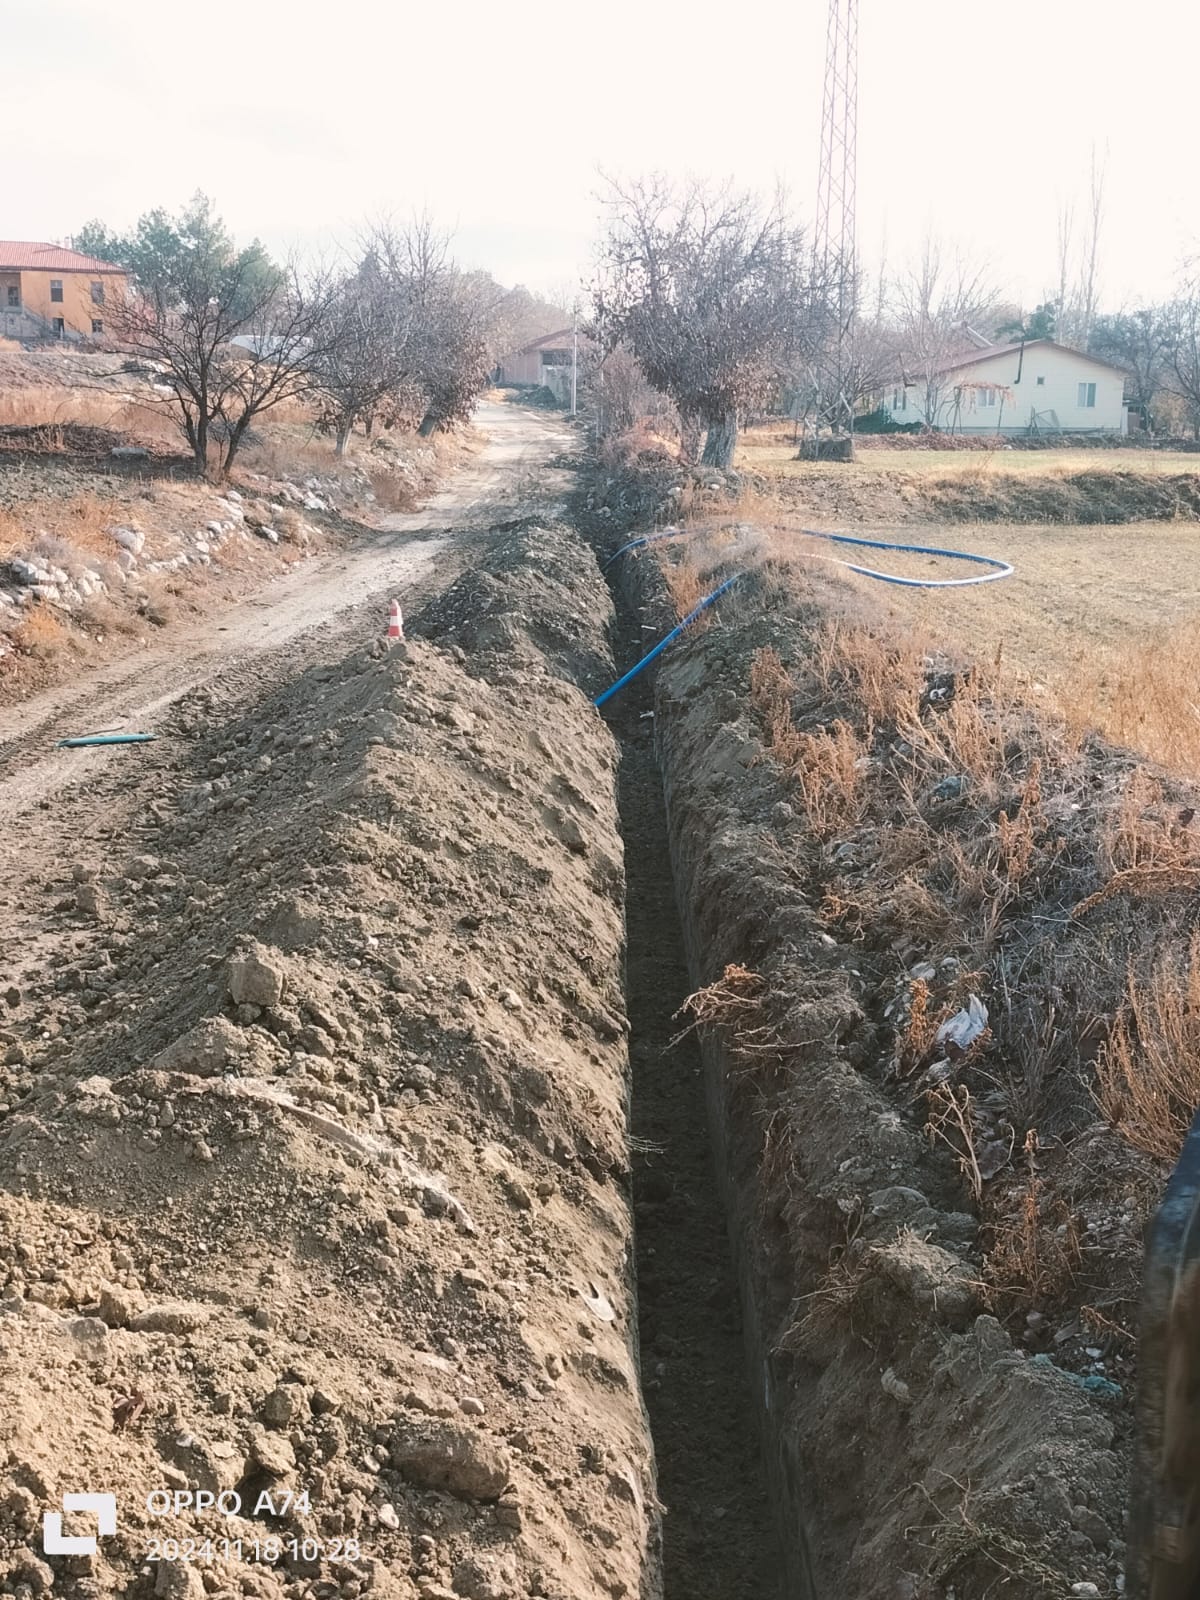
(23, 256)
(976, 358)
(548, 341)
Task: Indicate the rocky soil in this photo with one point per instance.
(313, 1140)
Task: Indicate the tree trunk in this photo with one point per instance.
(721, 442)
(689, 438)
(342, 439)
(429, 423)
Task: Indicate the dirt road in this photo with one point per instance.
(323, 600)
(50, 796)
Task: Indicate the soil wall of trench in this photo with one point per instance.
(912, 1451)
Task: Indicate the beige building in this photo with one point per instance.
(48, 292)
(1036, 387)
(540, 362)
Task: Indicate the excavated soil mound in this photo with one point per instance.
(313, 1181)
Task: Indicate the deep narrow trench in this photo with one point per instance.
(718, 1535)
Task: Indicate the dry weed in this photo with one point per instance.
(1034, 1254)
(685, 583)
(825, 764)
(950, 1120)
(1141, 694)
(883, 676)
(735, 1005)
(1148, 1070)
(41, 633)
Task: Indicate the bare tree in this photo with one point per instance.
(369, 356)
(1089, 279)
(1065, 311)
(456, 318)
(711, 291)
(1142, 341)
(938, 301)
(1182, 318)
(233, 334)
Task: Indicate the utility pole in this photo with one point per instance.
(834, 240)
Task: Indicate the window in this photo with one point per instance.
(556, 358)
(97, 325)
(98, 294)
(900, 400)
(1087, 395)
(1041, 383)
(14, 295)
(60, 327)
(56, 291)
(987, 397)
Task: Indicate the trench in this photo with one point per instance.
(719, 1538)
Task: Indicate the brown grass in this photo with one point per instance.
(1148, 1071)
(824, 763)
(41, 633)
(1033, 1255)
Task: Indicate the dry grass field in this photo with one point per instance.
(771, 450)
(1100, 623)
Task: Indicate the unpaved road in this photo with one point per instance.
(322, 600)
(52, 801)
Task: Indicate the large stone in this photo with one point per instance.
(210, 1048)
(442, 1456)
(255, 979)
(131, 539)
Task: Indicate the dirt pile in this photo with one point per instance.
(313, 1175)
(939, 1244)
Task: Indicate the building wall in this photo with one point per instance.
(1060, 371)
(77, 308)
(525, 366)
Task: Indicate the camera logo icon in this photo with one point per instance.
(56, 1543)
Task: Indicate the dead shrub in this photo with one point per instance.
(825, 763)
(735, 1005)
(393, 492)
(685, 584)
(883, 676)
(1148, 1070)
(1033, 1254)
(950, 1120)
(41, 633)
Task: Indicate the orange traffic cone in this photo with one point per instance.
(395, 622)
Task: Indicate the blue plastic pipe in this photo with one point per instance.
(105, 738)
(663, 643)
(1002, 569)
(638, 544)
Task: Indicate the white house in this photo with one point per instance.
(1039, 387)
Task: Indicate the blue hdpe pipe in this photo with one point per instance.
(105, 738)
(998, 569)
(663, 643)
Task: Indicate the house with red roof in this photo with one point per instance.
(47, 291)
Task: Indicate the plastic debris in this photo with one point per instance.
(599, 1303)
(1092, 1384)
(959, 1032)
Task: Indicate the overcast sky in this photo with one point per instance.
(300, 120)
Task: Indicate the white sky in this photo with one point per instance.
(302, 119)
